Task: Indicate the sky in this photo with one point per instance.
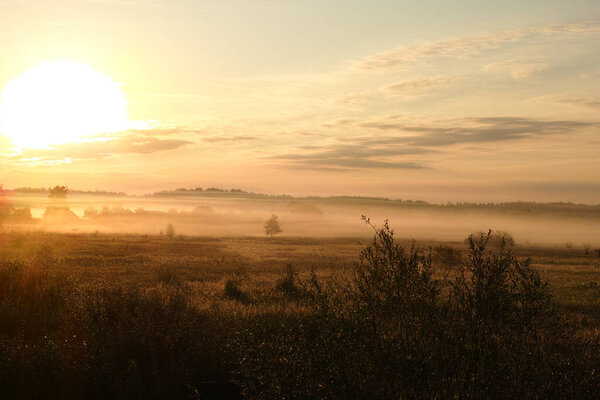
(434, 100)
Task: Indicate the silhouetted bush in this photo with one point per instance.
(168, 274)
(101, 342)
(387, 329)
(170, 231)
(390, 332)
(288, 284)
(495, 239)
(232, 290)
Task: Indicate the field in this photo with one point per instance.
(205, 263)
(146, 316)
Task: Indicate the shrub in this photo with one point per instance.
(168, 275)
(44, 255)
(365, 338)
(106, 342)
(500, 304)
(232, 290)
(170, 231)
(390, 332)
(495, 239)
(287, 285)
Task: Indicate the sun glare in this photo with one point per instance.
(59, 102)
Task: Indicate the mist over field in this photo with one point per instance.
(314, 200)
(237, 213)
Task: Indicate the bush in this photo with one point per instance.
(106, 342)
(287, 285)
(387, 329)
(495, 239)
(232, 290)
(366, 338)
(168, 275)
(390, 332)
(170, 231)
(586, 249)
(44, 255)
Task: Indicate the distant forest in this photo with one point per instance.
(564, 209)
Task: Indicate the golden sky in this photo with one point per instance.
(434, 100)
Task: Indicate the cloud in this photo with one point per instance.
(471, 130)
(408, 145)
(585, 102)
(414, 86)
(516, 69)
(407, 56)
(353, 156)
(143, 142)
(219, 139)
(157, 131)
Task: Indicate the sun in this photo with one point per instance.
(59, 102)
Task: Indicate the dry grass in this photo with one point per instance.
(160, 317)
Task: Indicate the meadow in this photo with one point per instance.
(92, 315)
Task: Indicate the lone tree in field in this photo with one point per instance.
(170, 231)
(272, 226)
(58, 192)
(58, 198)
(57, 207)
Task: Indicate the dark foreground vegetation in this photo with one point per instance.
(93, 316)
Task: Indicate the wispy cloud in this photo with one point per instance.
(407, 56)
(105, 146)
(230, 139)
(415, 86)
(516, 69)
(576, 101)
(409, 145)
(351, 155)
(472, 130)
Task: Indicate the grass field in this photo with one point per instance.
(139, 316)
(205, 263)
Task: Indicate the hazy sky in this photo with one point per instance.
(436, 100)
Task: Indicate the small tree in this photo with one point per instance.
(170, 231)
(272, 226)
(58, 192)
